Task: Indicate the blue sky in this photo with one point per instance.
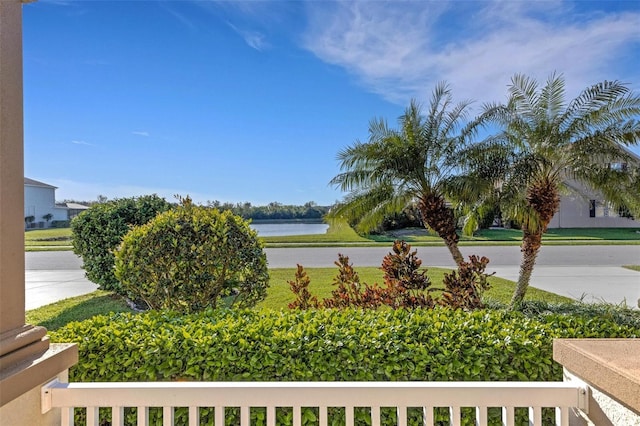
(252, 100)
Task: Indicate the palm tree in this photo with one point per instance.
(547, 142)
(408, 166)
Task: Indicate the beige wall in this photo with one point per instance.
(574, 212)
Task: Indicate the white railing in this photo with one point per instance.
(455, 396)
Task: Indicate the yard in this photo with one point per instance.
(60, 238)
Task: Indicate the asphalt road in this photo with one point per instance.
(591, 273)
(439, 256)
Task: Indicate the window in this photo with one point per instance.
(599, 208)
(621, 167)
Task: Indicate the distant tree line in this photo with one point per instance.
(273, 210)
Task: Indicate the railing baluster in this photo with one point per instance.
(117, 416)
(219, 416)
(93, 416)
(143, 416)
(454, 415)
(427, 416)
(323, 416)
(271, 415)
(535, 416)
(562, 416)
(245, 415)
(375, 416)
(402, 416)
(348, 416)
(482, 416)
(167, 416)
(194, 416)
(297, 416)
(508, 416)
(66, 416)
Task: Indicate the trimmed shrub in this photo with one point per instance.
(423, 344)
(327, 345)
(99, 230)
(189, 258)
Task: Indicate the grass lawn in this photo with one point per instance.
(565, 234)
(279, 295)
(78, 308)
(632, 267)
(338, 232)
(341, 233)
(54, 238)
(514, 236)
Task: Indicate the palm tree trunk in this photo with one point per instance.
(455, 251)
(440, 218)
(531, 243)
(544, 198)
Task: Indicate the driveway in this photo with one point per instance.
(591, 273)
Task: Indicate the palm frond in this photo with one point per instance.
(524, 96)
(552, 101)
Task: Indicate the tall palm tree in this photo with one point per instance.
(406, 166)
(547, 142)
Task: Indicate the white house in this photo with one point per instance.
(585, 208)
(40, 202)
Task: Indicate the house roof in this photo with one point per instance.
(31, 182)
(76, 206)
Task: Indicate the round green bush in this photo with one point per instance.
(191, 257)
(97, 232)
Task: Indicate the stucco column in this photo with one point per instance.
(26, 359)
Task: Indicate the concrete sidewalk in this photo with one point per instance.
(611, 284)
(43, 287)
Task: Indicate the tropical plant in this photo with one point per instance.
(406, 285)
(545, 143)
(408, 166)
(191, 258)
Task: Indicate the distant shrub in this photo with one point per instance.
(60, 223)
(99, 230)
(326, 345)
(189, 258)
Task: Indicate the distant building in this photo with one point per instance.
(586, 208)
(40, 208)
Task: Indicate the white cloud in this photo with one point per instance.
(82, 143)
(140, 133)
(401, 49)
(58, 2)
(180, 17)
(254, 39)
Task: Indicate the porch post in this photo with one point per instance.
(27, 360)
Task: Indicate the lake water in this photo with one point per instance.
(295, 228)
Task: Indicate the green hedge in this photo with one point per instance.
(326, 345)
(430, 345)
